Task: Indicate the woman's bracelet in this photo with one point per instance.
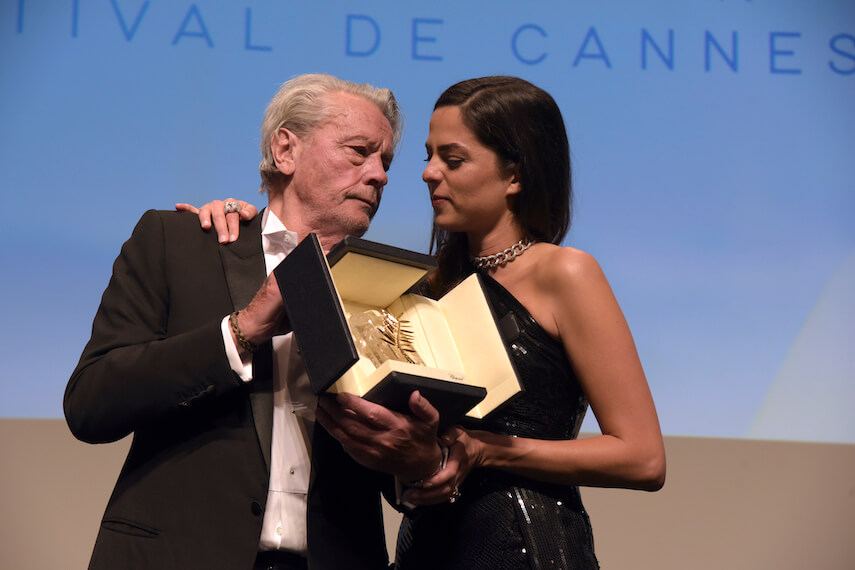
(421, 482)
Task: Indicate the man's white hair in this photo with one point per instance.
(301, 106)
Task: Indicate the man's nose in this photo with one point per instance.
(376, 173)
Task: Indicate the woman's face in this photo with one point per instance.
(468, 187)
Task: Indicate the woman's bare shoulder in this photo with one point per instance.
(564, 267)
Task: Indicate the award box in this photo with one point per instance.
(462, 366)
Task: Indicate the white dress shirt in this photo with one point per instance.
(284, 525)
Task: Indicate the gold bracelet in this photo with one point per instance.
(242, 340)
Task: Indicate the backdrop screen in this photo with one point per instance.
(712, 146)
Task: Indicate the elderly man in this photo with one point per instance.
(188, 353)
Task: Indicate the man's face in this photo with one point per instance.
(340, 168)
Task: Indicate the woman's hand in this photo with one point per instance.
(464, 452)
(226, 224)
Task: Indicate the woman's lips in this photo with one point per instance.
(438, 200)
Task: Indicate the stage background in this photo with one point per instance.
(712, 144)
(734, 504)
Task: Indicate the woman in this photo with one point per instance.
(498, 173)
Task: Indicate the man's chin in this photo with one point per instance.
(358, 226)
(353, 222)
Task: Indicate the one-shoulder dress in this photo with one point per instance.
(502, 520)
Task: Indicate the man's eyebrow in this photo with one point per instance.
(362, 139)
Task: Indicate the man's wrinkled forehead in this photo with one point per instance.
(355, 118)
(342, 107)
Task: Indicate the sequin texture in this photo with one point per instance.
(504, 521)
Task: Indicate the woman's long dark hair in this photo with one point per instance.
(523, 125)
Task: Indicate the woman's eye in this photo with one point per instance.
(451, 161)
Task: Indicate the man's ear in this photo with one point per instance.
(283, 145)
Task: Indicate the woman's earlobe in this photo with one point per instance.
(515, 186)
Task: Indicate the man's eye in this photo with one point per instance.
(360, 150)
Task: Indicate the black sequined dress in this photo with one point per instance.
(506, 521)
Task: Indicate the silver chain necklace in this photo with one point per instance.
(503, 257)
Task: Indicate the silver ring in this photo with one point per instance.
(231, 206)
(455, 494)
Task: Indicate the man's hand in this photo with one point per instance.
(404, 445)
(265, 316)
(226, 225)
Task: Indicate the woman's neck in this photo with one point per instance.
(503, 235)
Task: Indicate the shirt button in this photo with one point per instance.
(279, 530)
(292, 471)
(256, 508)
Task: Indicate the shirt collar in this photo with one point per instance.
(275, 237)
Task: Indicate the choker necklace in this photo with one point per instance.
(503, 257)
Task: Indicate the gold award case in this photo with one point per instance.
(360, 331)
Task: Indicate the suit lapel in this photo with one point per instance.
(243, 265)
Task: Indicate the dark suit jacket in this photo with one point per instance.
(193, 488)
